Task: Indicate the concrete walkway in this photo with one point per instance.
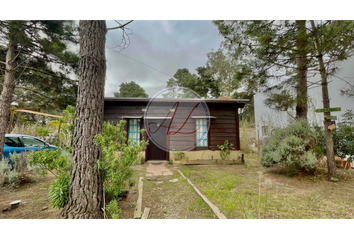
(157, 168)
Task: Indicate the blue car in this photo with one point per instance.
(23, 143)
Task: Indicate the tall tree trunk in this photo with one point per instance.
(331, 163)
(86, 187)
(301, 61)
(6, 94)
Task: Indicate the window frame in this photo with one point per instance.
(19, 140)
(138, 134)
(27, 137)
(196, 134)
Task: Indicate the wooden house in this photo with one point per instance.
(196, 133)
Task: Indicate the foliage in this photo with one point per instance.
(49, 161)
(277, 55)
(6, 175)
(117, 157)
(59, 191)
(343, 137)
(202, 83)
(58, 163)
(67, 127)
(292, 146)
(224, 69)
(245, 140)
(112, 209)
(225, 149)
(41, 45)
(180, 155)
(131, 89)
(42, 132)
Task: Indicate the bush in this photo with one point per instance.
(58, 163)
(42, 132)
(6, 175)
(116, 164)
(45, 161)
(116, 168)
(293, 147)
(59, 191)
(343, 137)
(225, 149)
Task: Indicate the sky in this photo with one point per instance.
(163, 45)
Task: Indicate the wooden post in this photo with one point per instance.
(11, 120)
(215, 209)
(137, 211)
(59, 127)
(146, 213)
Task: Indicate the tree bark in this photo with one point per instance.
(301, 61)
(86, 186)
(7, 93)
(331, 163)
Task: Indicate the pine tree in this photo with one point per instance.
(86, 186)
(31, 46)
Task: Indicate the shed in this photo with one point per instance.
(205, 131)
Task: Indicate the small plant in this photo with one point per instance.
(112, 209)
(59, 191)
(42, 132)
(132, 205)
(164, 211)
(180, 155)
(333, 179)
(6, 175)
(225, 149)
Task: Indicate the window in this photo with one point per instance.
(134, 131)
(32, 142)
(264, 130)
(202, 132)
(13, 142)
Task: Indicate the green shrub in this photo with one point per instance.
(225, 149)
(20, 161)
(45, 161)
(343, 136)
(113, 210)
(58, 163)
(117, 158)
(42, 132)
(293, 147)
(6, 175)
(59, 191)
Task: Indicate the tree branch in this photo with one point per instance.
(49, 74)
(121, 26)
(34, 91)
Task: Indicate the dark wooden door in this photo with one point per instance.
(153, 151)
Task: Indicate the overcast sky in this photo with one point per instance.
(163, 45)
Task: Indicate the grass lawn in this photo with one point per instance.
(253, 191)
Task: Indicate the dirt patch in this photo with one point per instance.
(35, 203)
(167, 200)
(234, 189)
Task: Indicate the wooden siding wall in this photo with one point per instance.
(223, 127)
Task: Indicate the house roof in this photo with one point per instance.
(241, 102)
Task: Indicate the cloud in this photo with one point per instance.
(162, 45)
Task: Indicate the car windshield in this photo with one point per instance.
(32, 142)
(13, 142)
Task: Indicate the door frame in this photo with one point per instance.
(167, 153)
